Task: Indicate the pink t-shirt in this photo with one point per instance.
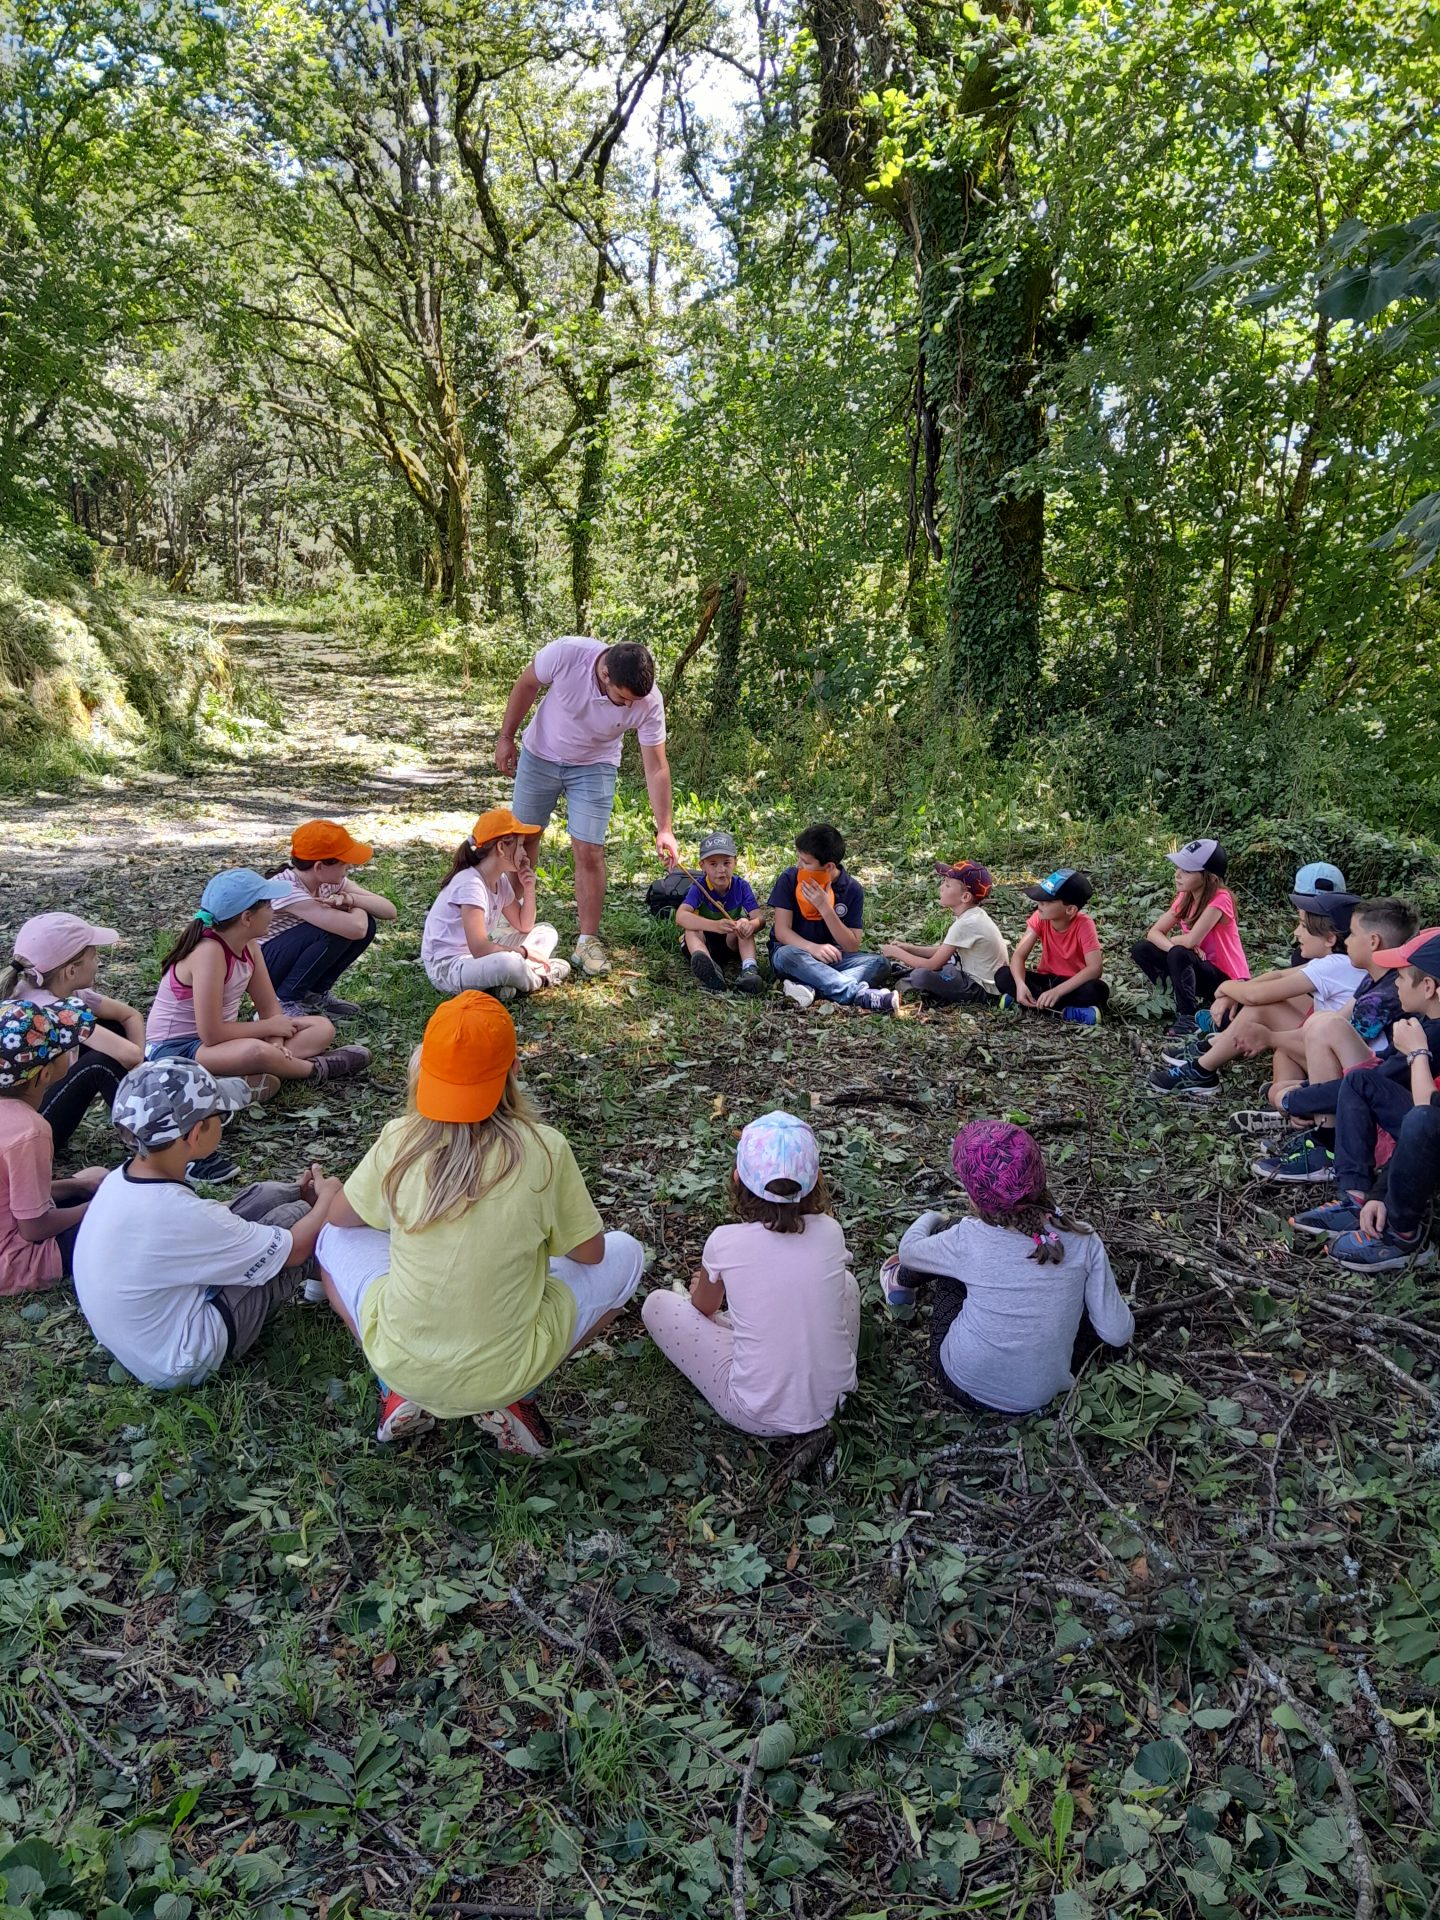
(172, 1011)
(1221, 945)
(1063, 950)
(576, 723)
(27, 1161)
(794, 1309)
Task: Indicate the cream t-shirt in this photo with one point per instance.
(979, 945)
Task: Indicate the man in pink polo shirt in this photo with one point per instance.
(594, 696)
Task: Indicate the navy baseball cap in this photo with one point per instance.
(1422, 953)
(1332, 906)
(1066, 884)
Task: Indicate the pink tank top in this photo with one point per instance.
(172, 1012)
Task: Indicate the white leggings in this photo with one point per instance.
(490, 970)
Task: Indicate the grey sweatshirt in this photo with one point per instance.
(1011, 1345)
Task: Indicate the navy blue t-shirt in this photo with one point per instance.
(849, 904)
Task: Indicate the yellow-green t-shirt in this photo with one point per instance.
(468, 1317)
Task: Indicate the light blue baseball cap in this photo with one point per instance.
(1319, 876)
(235, 890)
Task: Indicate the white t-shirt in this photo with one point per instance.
(146, 1258)
(444, 935)
(794, 1309)
(979, 945)
(1334, 980)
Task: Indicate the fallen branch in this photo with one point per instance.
(1273, 1496)
(559, 1639)
(737, 1853)
(1364, 1871)
(1406, 1380)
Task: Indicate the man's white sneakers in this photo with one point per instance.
(589, 957)
(797, 991)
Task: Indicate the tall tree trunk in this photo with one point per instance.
(588, 499)
(979, 372)
(729, 632)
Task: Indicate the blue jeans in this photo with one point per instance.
(306, 959)
(845, 982)
(589, 794)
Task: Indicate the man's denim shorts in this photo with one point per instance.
(589, 795)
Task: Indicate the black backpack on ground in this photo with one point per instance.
(664, 895)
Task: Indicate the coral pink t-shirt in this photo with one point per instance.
(27, 1162)
(1221, 945)
(577, 723)
(1063, 950)
(794, 1309)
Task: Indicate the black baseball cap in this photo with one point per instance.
(1332, 906)
(1066, 884)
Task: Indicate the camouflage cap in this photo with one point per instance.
(158, 1102)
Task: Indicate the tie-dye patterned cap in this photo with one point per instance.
(777, 1146)
(999, 1165)
(31, 1037)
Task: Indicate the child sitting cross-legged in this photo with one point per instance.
(1022, 1293)
(816, 938)
(1195, 943)
(719, 919)
(1071, 960)
(323, 922)
(39, 1215)
(172, 1285)
(1371, 1233)
(1251, 1017)
(769, 1330)
(57, 957)
(464, 1253)
(205, 978)
(1311, 1064)
(482, 932)
(963, 966)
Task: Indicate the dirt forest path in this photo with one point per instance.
(396, 758)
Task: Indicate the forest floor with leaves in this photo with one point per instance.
(1170, 1646)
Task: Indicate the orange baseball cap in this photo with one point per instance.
(497, 822)
(465, 1059)
(328, 840)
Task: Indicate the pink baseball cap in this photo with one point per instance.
(50, 939)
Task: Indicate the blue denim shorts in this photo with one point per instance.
(589, 794)
(185, 1049)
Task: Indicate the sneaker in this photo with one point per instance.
(314, 1294)
(215, 1170)
(1256, 1120)
(263, 1087)
(401, 1419)
(1328, 1219)
(706, 974)
(518, 1428)
(1008, 1003)
(556, 971)
(1306, 1164)
(1180, 1053)
(797, 991)
(1081, 1016)
(748, 981)
(332, 1006)
(589, 958)
(295, 1009)
(341, 1063)
(1181, 1027)
(1200, 1082)
(1386, 1252)
(878, 1000)
(899, 1298)
(1204, 1021)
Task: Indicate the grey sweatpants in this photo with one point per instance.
(245, 1310)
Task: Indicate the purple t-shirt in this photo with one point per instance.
(737, 899)
(576, 723)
